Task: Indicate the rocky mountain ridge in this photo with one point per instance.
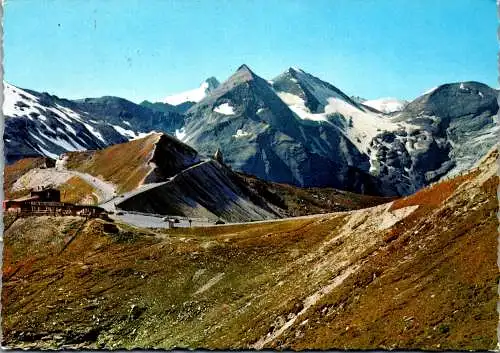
(294, 129)
(395, 153)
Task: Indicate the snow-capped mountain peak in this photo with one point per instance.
(294, 69)
(18, 102)
(313, 91)
(194, 95)
(310, 98)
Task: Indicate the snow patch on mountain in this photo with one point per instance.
(94, 132)
(180, 133)
(241, 133)
(70, 113)
(194, 95)
(132, 135)
(61, 123)
(311, 98)
(37, 138)
(124, 132)
(47, 153)
(140, 135)
(387, 105)
(298, 106)
(224, 109)
(361, 126)
(18, 102)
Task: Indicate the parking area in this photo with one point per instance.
(157, 221)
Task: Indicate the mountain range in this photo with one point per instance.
(295, 129)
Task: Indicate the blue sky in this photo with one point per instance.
(149, 49)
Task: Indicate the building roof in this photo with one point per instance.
(26, 198)
(46, 188)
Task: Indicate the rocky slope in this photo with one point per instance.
(448, 130)
(418, 273)
(202, 191)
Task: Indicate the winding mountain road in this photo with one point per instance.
(103, 190)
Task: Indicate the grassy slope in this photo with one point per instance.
(123, 164)
(77, 190)
(427, 282)
(436, 286)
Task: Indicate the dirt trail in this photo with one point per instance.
(104, 189)
(210, 283)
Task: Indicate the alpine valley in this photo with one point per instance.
(294, 129)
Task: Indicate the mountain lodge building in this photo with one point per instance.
(47, 201)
